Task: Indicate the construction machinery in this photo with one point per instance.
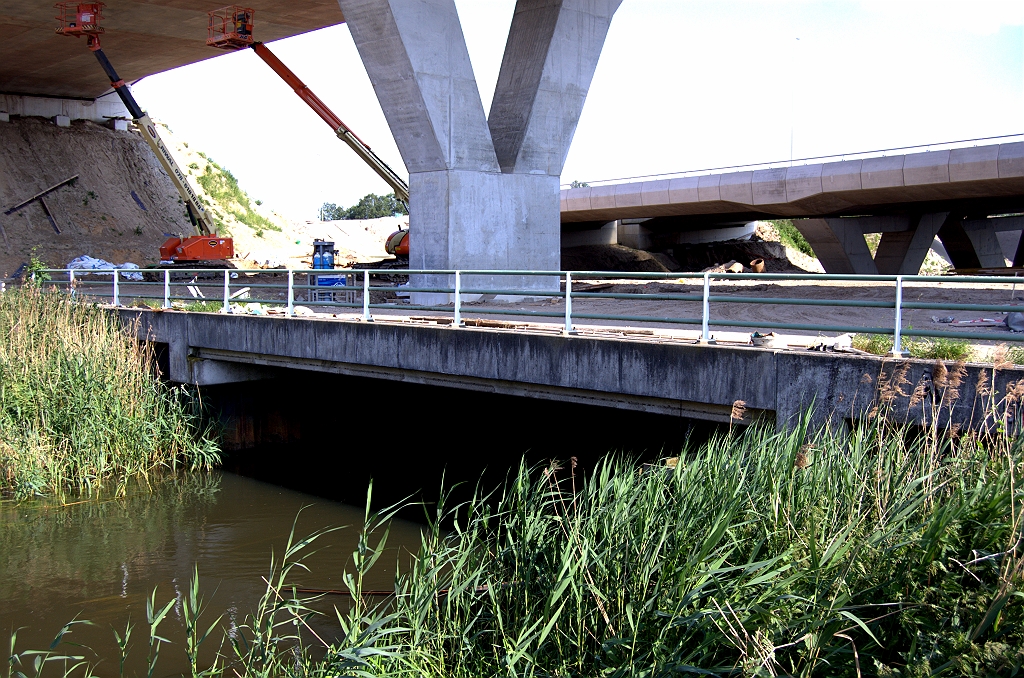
(231, 28)
(79, 19)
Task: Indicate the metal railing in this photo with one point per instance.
(452, 293)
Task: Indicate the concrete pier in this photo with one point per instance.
(484, 189)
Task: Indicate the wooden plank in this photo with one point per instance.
(39, 196)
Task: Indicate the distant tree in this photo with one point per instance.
(371, 206)
(331, 212)
(579, 184)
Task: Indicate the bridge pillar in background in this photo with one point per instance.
(841, 248)
(903, 252)
(839, 245)
(971, 244)
(484, 191)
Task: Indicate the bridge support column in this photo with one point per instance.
(971, 244)
(839, 245)
(483, 191)
(903, 252)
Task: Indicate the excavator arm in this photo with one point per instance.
(200, 219)
(344, 133)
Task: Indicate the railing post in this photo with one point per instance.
(71, 282)
(568, 303)
(705, 335)
(366, 297)
(457, 319)
(291, 293)
(897, 336)
(117, 295)
(227, 290)
(167, 288)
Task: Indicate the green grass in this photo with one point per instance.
(205, 306)
(879, 552)
(791, 236)
(220, 184)
(81, 409)
(928, 348)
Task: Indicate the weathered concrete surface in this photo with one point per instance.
(143, 37)
(675, 378)
(483, 191)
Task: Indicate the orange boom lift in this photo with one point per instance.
(230, 28)
(78, 19)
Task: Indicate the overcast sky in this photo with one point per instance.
(682, 84)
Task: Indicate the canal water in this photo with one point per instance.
(100, 559)
(303, 446)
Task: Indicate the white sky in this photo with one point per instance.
(682, 84)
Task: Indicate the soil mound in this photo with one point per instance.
(698, 257)
(611, 258)
(121, 208)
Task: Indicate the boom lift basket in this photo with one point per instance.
(230, 27)
(79, 18)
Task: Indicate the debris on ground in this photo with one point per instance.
(87, 263)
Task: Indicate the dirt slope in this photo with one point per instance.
(97, 216)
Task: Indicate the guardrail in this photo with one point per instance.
(560, 286)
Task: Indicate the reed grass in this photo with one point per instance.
(81, 408)
(881, 552)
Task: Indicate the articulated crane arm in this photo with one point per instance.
(344, 133)
(200, 219)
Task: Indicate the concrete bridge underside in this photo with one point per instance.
(672, 377)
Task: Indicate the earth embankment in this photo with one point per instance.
(120, 208)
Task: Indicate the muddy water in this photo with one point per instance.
(100, 560)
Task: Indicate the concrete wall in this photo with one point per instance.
(676, 378)
(100, 110)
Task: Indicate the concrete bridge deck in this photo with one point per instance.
(924, 181)
(679, 378)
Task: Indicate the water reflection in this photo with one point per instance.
(100, 559)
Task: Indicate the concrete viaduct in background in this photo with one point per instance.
(484, 188)
(956, 195)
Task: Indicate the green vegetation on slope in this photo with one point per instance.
(222, 187)
(80, 405)
(789, 235)
(875, 552)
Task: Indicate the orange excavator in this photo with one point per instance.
(79, 19)
(231, 28)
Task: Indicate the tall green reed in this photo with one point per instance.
(881, 550)
(80, 405)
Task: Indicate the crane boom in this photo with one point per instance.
(200, 219)
(343, 131)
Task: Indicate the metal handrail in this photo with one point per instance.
(451, 284)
